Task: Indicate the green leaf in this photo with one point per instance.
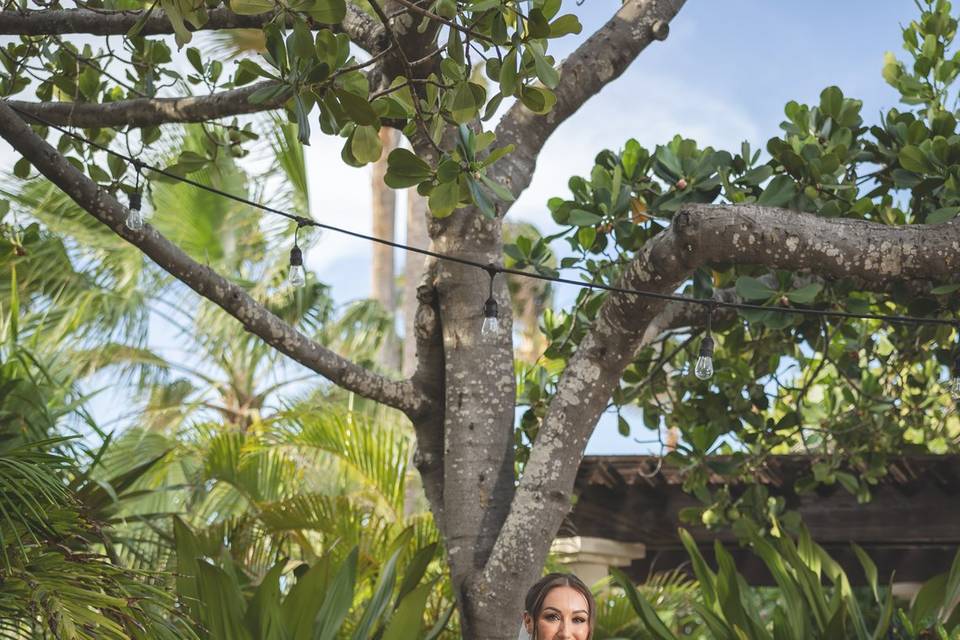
(358, 108)
(642, 607)
(913, 159)
(252, 7)
(21, 168)
(415, 570)
(338, 600)
(508, 73)
(549, 76)
(463, 106)
(405, 169)
(380, 599)
(407, 619)
(264, 619)
(500, 191)
(804, 295)
(366, 145)
(444, 198)
(942, 215)
(752, 289)
(181, 35)
(831, 100)
(944, 289)
(565, 25)
(581, 218)
(778, 192)
(538, 99)
(322, 11)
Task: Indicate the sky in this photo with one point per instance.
(721, 77)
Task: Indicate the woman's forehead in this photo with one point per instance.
(566, 599)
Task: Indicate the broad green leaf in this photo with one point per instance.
(338, 600)
(581, 218)
(913, 159)
(565, 25)
(942, 215)
(444, 198)
(252, 7)
(407, 619)
(944, 289)
(322, 11)
(415, 570)
(804, 295)
(778, 192)
(366, 145)
(538, 99)
(302, 604)
(753, 289)
(358, 108)
(405, 169)
(264, 618)
(463, 107)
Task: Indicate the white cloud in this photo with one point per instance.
(639, 105)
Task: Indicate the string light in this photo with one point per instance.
(490, 307)
(298, 275)
(704, 366)
(134, 219)
(491, 323)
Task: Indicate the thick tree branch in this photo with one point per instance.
(361, 28)
(601, 59)
(776, 238)
(146, 112)
(204, 280)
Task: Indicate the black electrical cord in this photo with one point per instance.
(302, 221)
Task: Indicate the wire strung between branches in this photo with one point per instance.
(303, 221)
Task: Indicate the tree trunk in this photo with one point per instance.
(382, 275)
(413, 266)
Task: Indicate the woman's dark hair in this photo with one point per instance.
(538, 593)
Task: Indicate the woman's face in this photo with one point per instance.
(565, 616)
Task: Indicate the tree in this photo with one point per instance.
(795, 230)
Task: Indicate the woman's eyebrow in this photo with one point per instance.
(558, 610)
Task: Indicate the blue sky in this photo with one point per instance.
(722, 76)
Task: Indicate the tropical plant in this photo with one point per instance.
(57, 574)
(805, 608)
(325, 599)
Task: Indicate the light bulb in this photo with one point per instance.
(491, 325)
(134, 219)
(298, 275)
(704, 366)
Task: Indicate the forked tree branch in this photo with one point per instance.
(255, 318)
(601, 59)
(362, 29)
(877, 254)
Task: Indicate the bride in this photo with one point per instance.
(558, 607)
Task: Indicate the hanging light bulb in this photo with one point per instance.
(134, 219)
(704, 367)
(491, 323)
(298, 275)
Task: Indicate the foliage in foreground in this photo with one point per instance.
(815, 599)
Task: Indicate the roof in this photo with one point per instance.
(911, 525)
